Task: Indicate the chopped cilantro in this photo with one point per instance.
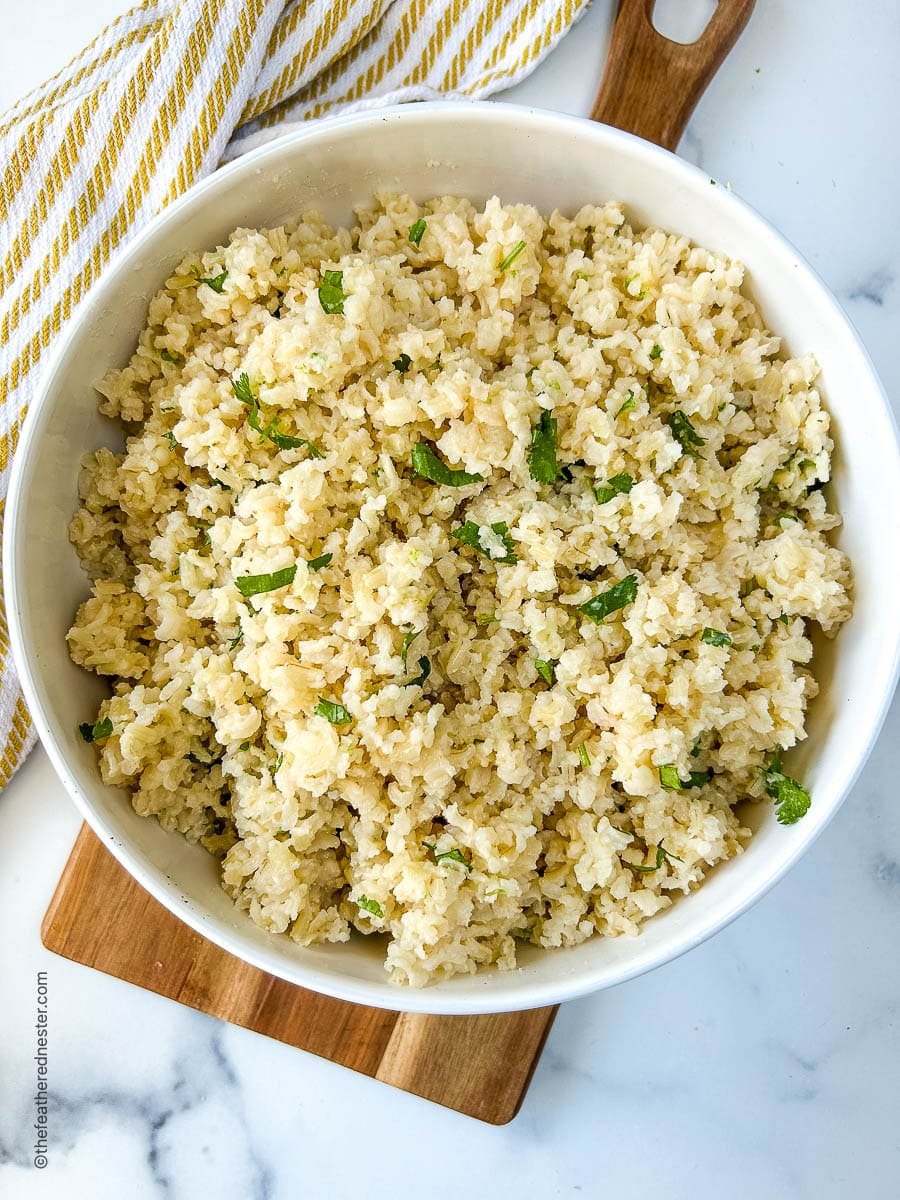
(715, 637)
(486, 618)
(98, 732)
(542, 462)
(316, 564)
(408, 638)
(370, 906)
(584, 756)
(455, 855)
(236, 641)
(169, 357)
(331, 292)
(672, 781)
(685, 433)
(628, 404)
(172, 440)
(333, 712)
(403, 363)
(424, 672)
(416, 230)
(255, 585)
(618, 485)
(655, 352)
(512, 256)
(546, 667)
(216, 282)
(425, 462)
(243, 389)
(607, 602)
(792, 801)
(470, 535)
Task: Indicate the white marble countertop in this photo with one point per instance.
(762, 1065)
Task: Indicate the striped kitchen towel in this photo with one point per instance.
(157, 101)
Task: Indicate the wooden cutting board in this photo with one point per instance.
(480, 1066)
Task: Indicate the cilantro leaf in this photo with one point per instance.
(792, 800)
(424, 672)
(685, 433)
(370, 906)
(425, 462)
(672, 781)
(416, 230)
(546, 667)
(628, 404)
(316, 564)
(408, 638)
(333, 712)
(169, 357)
(618, 485)
(217, 282)
(243, 389)
(607, 602)
(98, 732)
(331, 292)
(542, 462)
(655, 353)
(403, 363)
(469, 534)
(255, 585)
(512, 256)
(715, 637)
(584, 756)
(455, 855)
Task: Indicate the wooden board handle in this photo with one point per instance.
(651, 85)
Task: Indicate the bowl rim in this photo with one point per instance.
(434, 998)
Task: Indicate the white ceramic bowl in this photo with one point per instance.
(474, 151)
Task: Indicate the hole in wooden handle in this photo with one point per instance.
(651, 84)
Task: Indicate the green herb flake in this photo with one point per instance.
(672, 781)
(485, 618)
(662, 854)
(255, 585)
(236, 641)
(792, 801)
(747, 586)
(546, 667)
(715, 637)
(618, 485)
(607, 602)
(655, 353)
(333, 712)
(470, 535)
(175, 359)
(685, 433)
(583, 756)
(416, 230)
(408, 638)
(96, 732)
(629, 403)
(316, 564)
(331, 292)
(427, 464)
(172, 440)
(403, 363)
(243, 389)
(542, 461)
(370, 906)
(424, 672)
(276, 765)
(512, 256)
(455, 855)
(216, 282)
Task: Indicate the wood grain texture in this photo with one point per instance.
(480, 1066)
(651, 84)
